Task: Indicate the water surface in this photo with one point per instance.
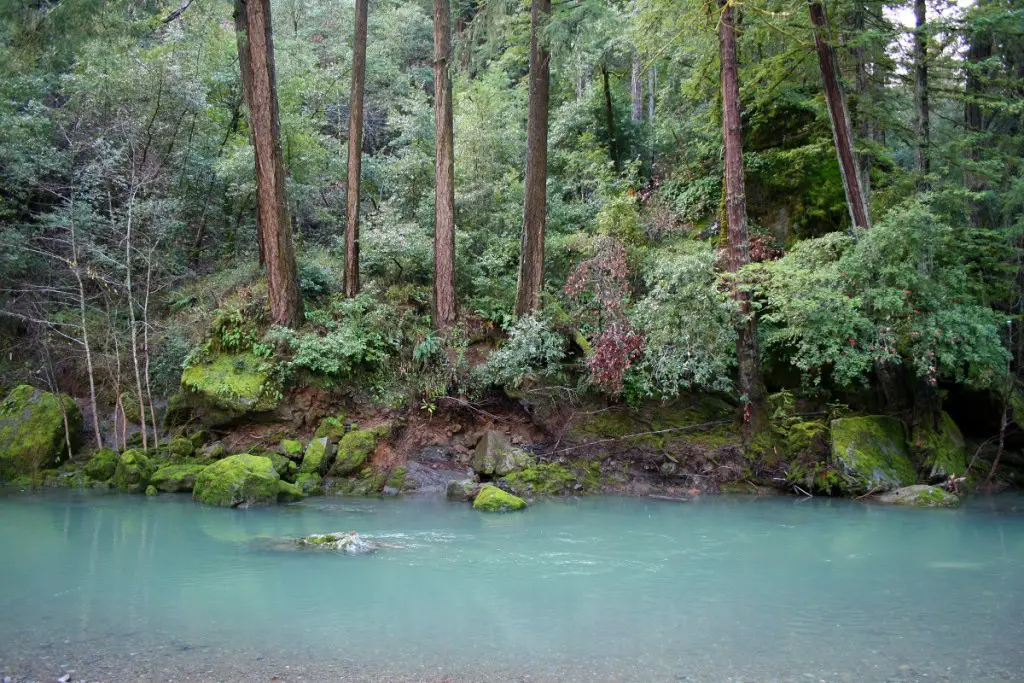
(601, 589)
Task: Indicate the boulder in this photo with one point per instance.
(354, 450)
(921, 496)
(151, 490)
(318, 457)
(32, 436)
(552, 479)
(461, 491)
(287, 492)
(332, 427)
(345, 542)
(493, 499)
(238, 480)
(180, 448)
(367, 482)
(291, 449)
(179, 410)
(177, 478)
(227, 387)
(942, 451)
(310, 484)
(495, 455)
(285, 468)
(199, 439)
(102, 464)
(871, 454)
(213, 451)
(133, 472)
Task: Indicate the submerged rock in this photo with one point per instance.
(238, 480)
(495, 455)
(346, 542)
(871, 453)
(102, 464)
(318, 458)
(921, 496)
(177, 478)
(32, 435)
(227, 387)
(132, 472)
(493, 499)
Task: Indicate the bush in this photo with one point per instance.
(315, 281)
(533, 351)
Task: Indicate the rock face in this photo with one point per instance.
(943, 451)
(176, 478)
(353, 451)
(552, 479)
(32, 436)
(496, 456)
(921, 496)
(238, 480)
(318, 458)
(493, 499)
(871, 453)
(102, 465)
(343, 542)
(227, 387)
(132, 472)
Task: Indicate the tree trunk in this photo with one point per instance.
(979, 49)
(862, 110)
(637, 88)
(842, 134)
(444, 170)
(355, 151)
(609, 114)
(531, 261)
(282, 273)
(652, 83)
(748, 352)
(245, 72)
(921, 113)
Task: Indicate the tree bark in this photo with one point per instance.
(444, 170)
(862, 110)
(355, 151)
(979, 49)
(245, 73)
(282, 273)
(652, 84)
(842, 134)
(609, 114)
(748, 352)
(921, 111)
(531, 261)
(637, 88)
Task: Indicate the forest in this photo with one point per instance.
(744, 219)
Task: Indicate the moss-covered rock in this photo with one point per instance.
(180, 448)
(131, 408)
(461, 491)
(238, 480)
(921, 496)
(367, 482)
(318, 457)
(32, 435)
(199, 439)
(133, 472)
(942, 451)
(213, 451)
(397, 479)
(332, 427)
(151, 490)
(654, 426)
(552, 479)
(179, 410)
(354, 450)
(310, 484)
(177, 478)
(291, 449)
(493, 499)
(495, 455)
(871, 454)
(287, 492)
(102, 464)
(227, 387)
(286, 469)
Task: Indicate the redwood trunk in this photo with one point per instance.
(282, 275)
(921, 110)
(637, 88)
(245, 72)
(444, 170)
(979, 49)
(531, 261)
(842, 134)
(748, 352)
(609, 114)
(355, 151)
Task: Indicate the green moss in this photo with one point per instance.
(180, 449)
(368, 482)
(495, 455)
(179, 410)
(318, 457)
(151, 490)
(286, 469)
(102, 465)
(551, 479)
(177, 478)
(229, 386)
(23, 482)
(396, 479)
(310, 484)
(291, 449)
(287, 492)
(32, 436)
(199, 439)
(493, 499)
(354, 449)
(461, 491)
(943, 451)
(133, 472)
(650, 421)
(238, 480)
(331, 427)
(214, 451)
(921, 496)
(870, 453)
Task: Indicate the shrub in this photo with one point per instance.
(533, 351)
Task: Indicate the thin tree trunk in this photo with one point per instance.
(609, 114)
(76, 270)
(842, 134)
(444, 171)
(979, 49)
(652, 84)
(531, 261)
(921, 112)
(282, 272)
(862, 112)
(637, 88)
(355, 151)
(751, 384)
(145, 350)
(133, 332)
(245, 72)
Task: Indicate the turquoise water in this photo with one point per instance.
(603, 589)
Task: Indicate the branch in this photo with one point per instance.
(178, 12)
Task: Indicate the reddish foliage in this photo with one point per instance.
(761, 249)
(614, 352)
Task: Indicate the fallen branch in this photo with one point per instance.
(873, 491)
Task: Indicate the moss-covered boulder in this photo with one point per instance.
(291, 449)
(461, 490)
(871, 454)
(495, 455)
(286, 469)
(310, 484)
(227, 387)
(367, 482)
(102, 464)
(178, 411)
(177, 478)
(151, 490)
(921, 496)
(238, 480)
(493, 499)
(213, 451)
(32, 435)
(332, 427)
(942, 452)
(180, 448)
(288, 492)
(354, 450)
(318, 457)
(553, 479)
(133, 472)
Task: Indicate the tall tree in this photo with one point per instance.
(531, 261)
(245, 72)
(609, 115)
(279, 253)
(921, 111)
(444, 170)
(842, 134)
(637, 88)
(355, 151)
(748, 350)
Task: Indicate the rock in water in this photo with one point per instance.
(102, 465)
(921, 496)
(461, 491)
(495, 455)
(238, 480)
(871, 453)
(32, 436)
(176, 478)
(340, 541)
(493, 499)
(132, 472)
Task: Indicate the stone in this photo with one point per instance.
(495, 455)
(228, 387)
(32, 436)
(287, 492)
(102, 464)
(493, 499)
(133, 472)
(213, 451)
(178, 412)
(238, 480)
(332, 427)
(354, 450)
(151, 490)
(318, 457)
(461, 491)
(920, 495)
(553, 479)
(177, 478)
(870, 453)
(286, 469)
(310, 484)
(942, 451)
(199, 439)
(291, 449)
(345, 542)
(179, 448)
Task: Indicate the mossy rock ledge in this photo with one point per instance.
(238, 480)
(133, 472)
(493, 499)
(921, 496)
(102, 465)
(177, 478)
(228, 387)
(32, 436)
(942, 451)
(871, 454)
